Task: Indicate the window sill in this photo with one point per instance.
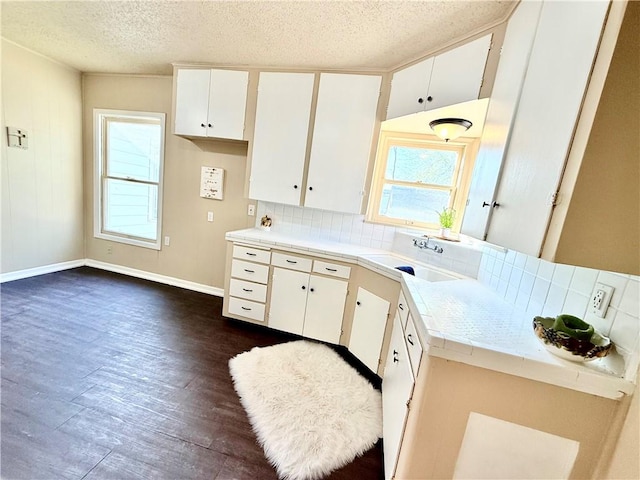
(129, 241)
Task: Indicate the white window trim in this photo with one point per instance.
(98, 164)
(461, 188)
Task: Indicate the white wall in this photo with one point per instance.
(42, 209)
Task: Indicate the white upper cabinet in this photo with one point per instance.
(507, 86)
(210, 103)
(280, 140)
(342, 138)
(447, 79)
(561, 59)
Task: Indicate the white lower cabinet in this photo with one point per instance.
(308, 305)
(367, 331)
(397, 388)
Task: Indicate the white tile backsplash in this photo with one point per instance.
(544, 288)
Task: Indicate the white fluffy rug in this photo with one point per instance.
(311, 411)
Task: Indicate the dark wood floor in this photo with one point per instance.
(110, 377)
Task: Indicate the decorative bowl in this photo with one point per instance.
(570, 338)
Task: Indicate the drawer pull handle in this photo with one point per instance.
(291, 261)
(247, 289)
(249, 271)
(409, 339)
(395, 356)
(331, 269)
(400, 306)
(245, 308)
(250, 254)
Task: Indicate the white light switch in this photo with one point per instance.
(209, 216)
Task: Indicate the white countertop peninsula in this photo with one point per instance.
(463, 321)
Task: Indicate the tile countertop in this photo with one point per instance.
(464, 321)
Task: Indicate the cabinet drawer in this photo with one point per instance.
(246, 308)
(413, 346)
(332, 269)
(249, 271)
(252, 254)
(291, 262)
(403, 310)
(248, 290)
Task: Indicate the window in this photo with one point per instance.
(416, 177)
(129, 154)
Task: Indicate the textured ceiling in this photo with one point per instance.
(147, 36)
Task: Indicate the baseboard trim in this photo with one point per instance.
(155, 277)
(35, 271)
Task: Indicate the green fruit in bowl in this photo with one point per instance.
(574, 327)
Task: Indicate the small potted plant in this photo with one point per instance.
(446, 218)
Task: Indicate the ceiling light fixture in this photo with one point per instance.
(450, 128)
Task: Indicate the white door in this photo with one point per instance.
(397, 388)
(288, 300)
(325, 309)
(409, 88)
(367, 331)
(227, 104)
(280, 139)
(457, 74)
(559, 68)
(502, 106)
(342, 137)
(192, 100)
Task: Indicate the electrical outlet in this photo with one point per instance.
(209, 216)
(251, 210)
(167, 241)
(600, 299)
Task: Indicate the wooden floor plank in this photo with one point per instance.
(106, 376)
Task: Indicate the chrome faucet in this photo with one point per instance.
(425, 244)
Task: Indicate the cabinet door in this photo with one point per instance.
(514, 57)
(457, 74)
(342, 137)
(367, 331)
(397, 388)
(559, 68)
(288, 300)
(280, 139)
(325, 309)
(227, 104)
(192, 100)
(409, 88)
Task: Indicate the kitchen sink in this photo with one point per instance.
(422, 271)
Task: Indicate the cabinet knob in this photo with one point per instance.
(358, 303)
(303, 287)
(493, 205)
(310, 188)
(429, 98)
(421, 100)
(202, 125)
(209, 125)
(311, 289)
(295, 186)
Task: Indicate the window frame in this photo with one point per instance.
(467, 148)
(100, 119)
